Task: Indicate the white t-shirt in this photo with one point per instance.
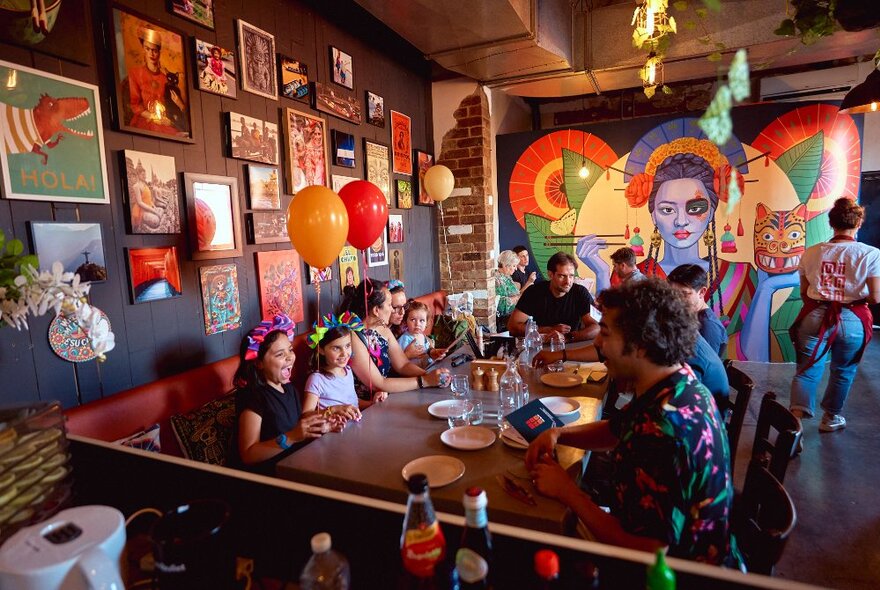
(838, 271)
(332, 390)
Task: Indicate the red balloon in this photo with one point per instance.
(367, 212)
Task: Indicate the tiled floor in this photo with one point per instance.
(835, 483)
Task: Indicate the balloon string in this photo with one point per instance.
(318, 303)
(446, 246)
(367, 284)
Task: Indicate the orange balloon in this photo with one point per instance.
(439, 182)
(317, 224)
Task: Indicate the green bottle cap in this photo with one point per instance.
(660, 577)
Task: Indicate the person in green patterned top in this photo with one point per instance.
(671, 460)
(506, 291)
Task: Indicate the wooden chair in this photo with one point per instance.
(735, 413)
(763, 518)
(774, 453)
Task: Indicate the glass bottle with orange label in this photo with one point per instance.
(422, 545)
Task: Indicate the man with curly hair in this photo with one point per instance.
(671, 476)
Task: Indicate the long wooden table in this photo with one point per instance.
(367, 457)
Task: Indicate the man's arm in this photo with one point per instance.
(589, 331)
(516, 323)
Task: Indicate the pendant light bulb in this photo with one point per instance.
(649, 19)
(584, 172)
(652, 72)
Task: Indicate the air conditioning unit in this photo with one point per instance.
(827, 84)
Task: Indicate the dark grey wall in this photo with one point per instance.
(165, 337)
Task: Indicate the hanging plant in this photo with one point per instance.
(812, 20)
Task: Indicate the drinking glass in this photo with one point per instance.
(459, 413)
(476, 415)
(460, 386)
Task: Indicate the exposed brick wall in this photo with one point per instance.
(468, 218)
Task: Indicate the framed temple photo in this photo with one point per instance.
(375, 109)
(198, 11)
(153, 193)
(342, 68)
(151, 77)
(253, 139)
(257, 57)
(343, 149)
(376, 163)
(220, 300)
(36, 164)
(423, 162)
(79, 247)
(401, 143)
(294, 78)
(154, 273)
(215, 69)
(213, 216)
(306, 147)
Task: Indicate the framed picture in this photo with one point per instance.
(294, 76)
(198, 11)
(329, 101)
(79, 247)
(320, 275)
(253, 139)
(154, 273)
(257, 57)
(375, 110)
(377, 254)
(151, 79)
(220, 300)
(348, 267)
(215, 69)
(376, 166)
(263, 185)
(67, 24)
(279, 276)
(269, 227)
(213, 213)
(306, 150)
(73, 170)
(337, 181)
(401, 143)
(395, 229)
(152, 191)
(340, 65)
(404, 194)
(423, 162)
(396, 264)
(343, 149)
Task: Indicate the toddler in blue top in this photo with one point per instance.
(414, 343)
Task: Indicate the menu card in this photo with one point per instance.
(532, 419)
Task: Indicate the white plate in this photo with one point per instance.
(468, 438)
(565, 408)
(513, 439)
(441, 409)
(561, 379)
(441, 469)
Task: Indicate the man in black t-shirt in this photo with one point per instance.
(519, 275)
(558, 305)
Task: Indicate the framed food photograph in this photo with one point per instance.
(401, 143)
(257, 58)
(213, 216)
(327, 100)
(376, 166)
(215, 69)
(320, 275)
(306, 137)
(153, 273)
(263, 187)
(152, 193)
(375, 110)
(404, 194)
(79, 247)
(279, 277)
(151, 77)
(377, 254)
(348, 267)
(342, 68)
(38, 168)
(343, 149)
(337, 181)
(198, 11)
(220, 300)
(423, 162)
(253, 139)
(396, 264)
(294, 77)
(395, 229)
(269, 227)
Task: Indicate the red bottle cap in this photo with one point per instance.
(547, 564)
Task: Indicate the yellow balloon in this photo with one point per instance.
(439, 182)
(317, 224)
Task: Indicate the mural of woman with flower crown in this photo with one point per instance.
(666, 197)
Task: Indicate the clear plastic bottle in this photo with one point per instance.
(473, 560)
(422, 545)
(509, 390)
(326, 569)
(532, 345)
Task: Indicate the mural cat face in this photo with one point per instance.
(780, 238)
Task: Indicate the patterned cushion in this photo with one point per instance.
(146, 440)
(206, 433)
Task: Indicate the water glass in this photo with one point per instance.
(556, 367)
(460, 386)
(557, 342)
(459, 413)
(476, 415)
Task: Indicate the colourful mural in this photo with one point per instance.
(660, 187)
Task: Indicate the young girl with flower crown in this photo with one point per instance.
(330, 387)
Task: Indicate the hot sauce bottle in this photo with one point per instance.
(422, 545)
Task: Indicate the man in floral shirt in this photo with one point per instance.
(672, 479)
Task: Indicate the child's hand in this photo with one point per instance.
(414, 350)
(345, 412)
(379, 397)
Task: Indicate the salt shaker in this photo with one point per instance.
(477, 379)
(492, 379)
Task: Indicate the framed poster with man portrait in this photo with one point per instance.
(401, 143)
(151, 76)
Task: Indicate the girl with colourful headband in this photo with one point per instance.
(330, 387)
(270, 415)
